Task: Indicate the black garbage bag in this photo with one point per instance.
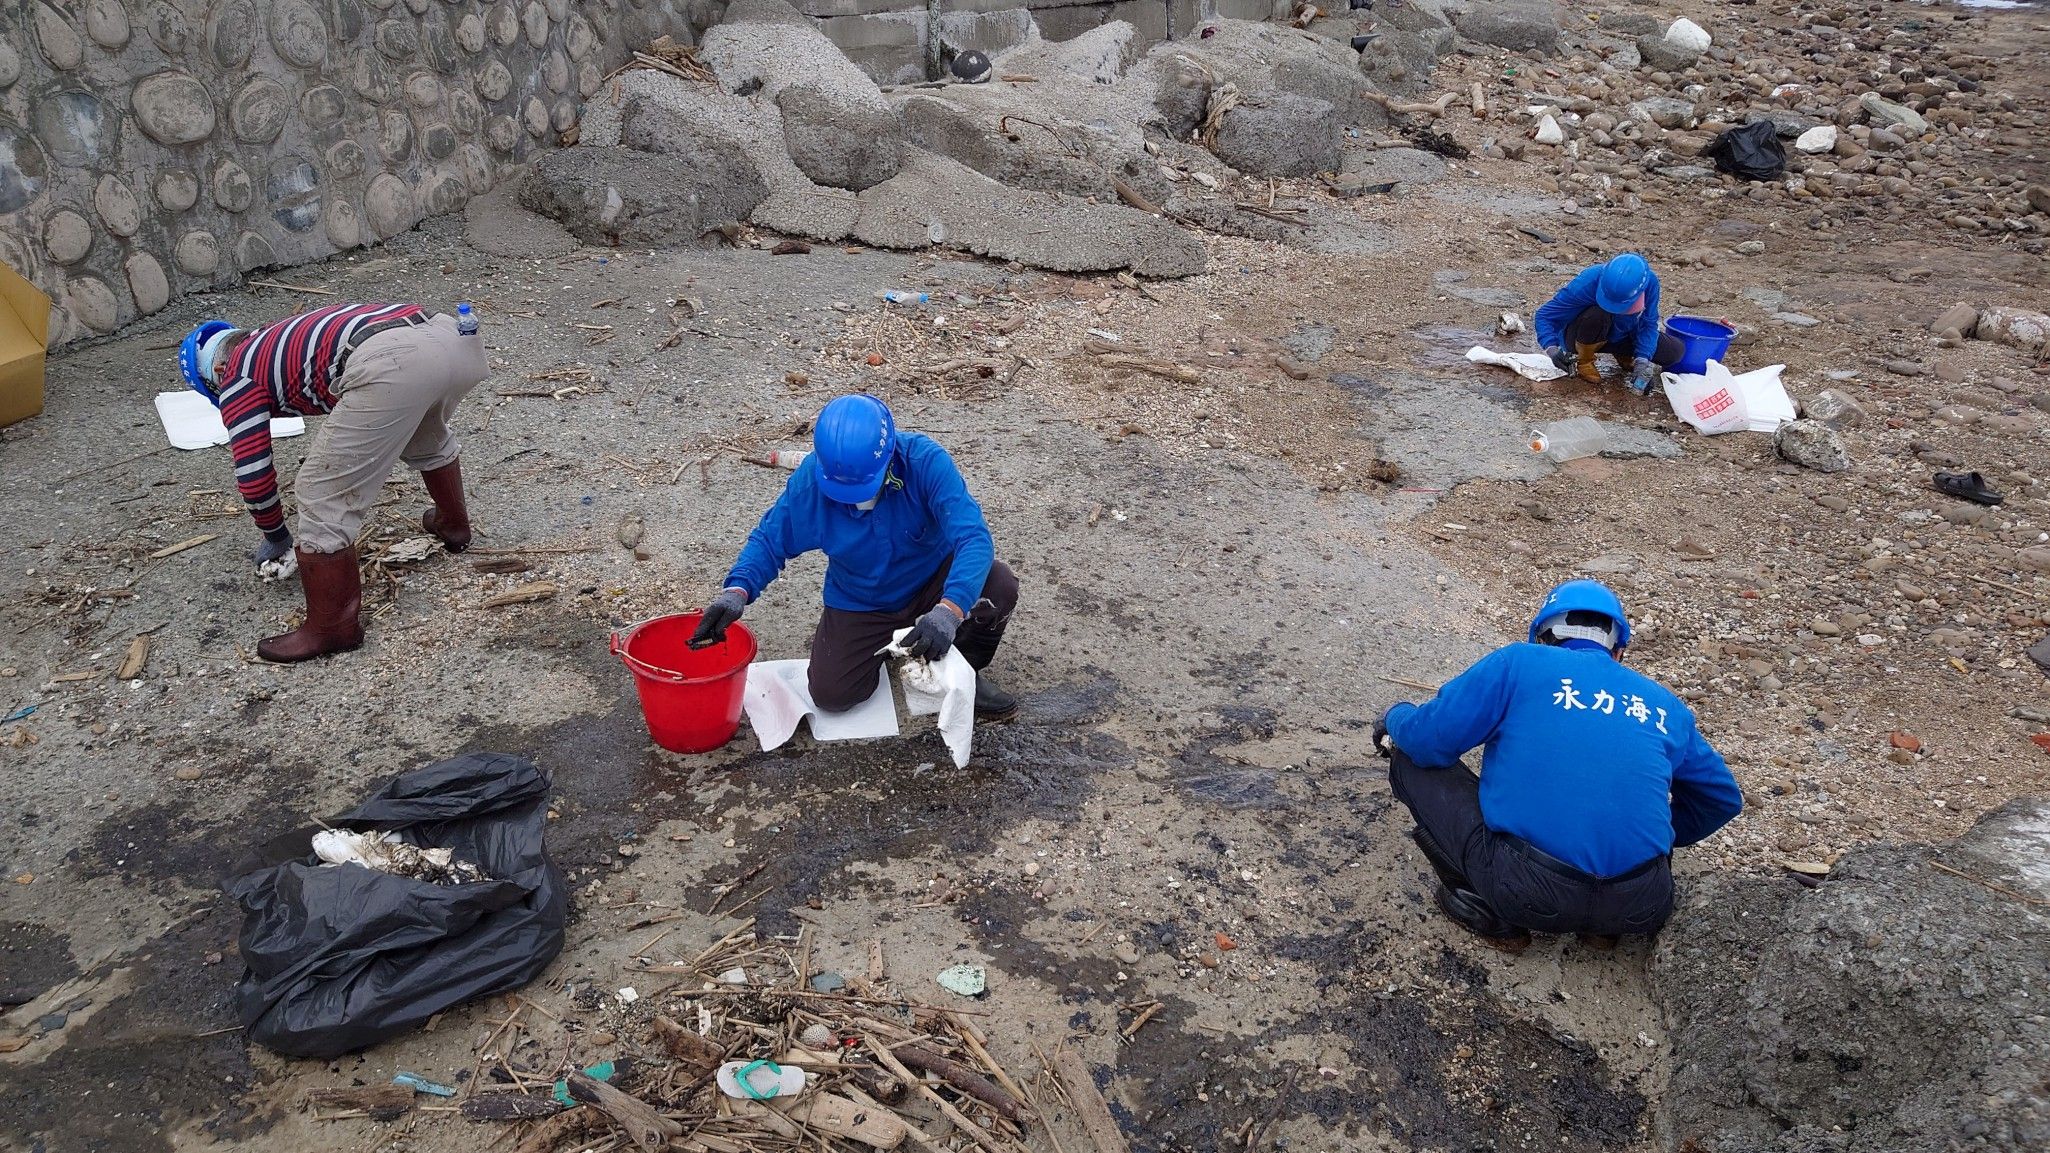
(1750, 151)
(341, 957)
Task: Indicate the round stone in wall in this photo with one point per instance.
(495, 81)
(298, 33)
(258, 112)
(557, 9)
(470, 33)
(345, 160)
(397, 39)
(233, 189)
(535, 20)
(465, 115)
(67, 236)
(60, 42)
(555, 72)
(322, 105)
(589, 79)
(197, 253)
(563, 116)
(344, 227)
(417, 7)
(231, 33)
(389, 206)
(119, 210)
(106, 21)
(10, 64)
(445, 195)
(535, 116)
(253, 252)
(92, 303)
(146, 281)
(177, 189)
(502, 133)
(579, 38)
(368, 78)
(294, 193)
(477, 169)
(395, 136)
(382, 5)
(438, 140)
(168, 27)
(77, 127)
(438, 45)
(505, 23)
(24, 169)
(423, 90)
(173, 108)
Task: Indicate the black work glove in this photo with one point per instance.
(276, 543)
(1641, 372)
(933, 635)
(1383, 747)
(719, 616)
(1561, 359)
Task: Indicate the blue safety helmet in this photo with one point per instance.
(188, 357)
(854, 438)
(1623, 280)
(1582, 596)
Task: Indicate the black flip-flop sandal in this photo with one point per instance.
(1967, 486)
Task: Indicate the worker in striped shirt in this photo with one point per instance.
(389, 377)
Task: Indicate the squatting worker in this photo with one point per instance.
(1592, 774)
(905, 545)
(1612, 308)
(388, 377)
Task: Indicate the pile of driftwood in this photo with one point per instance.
(881, 1072)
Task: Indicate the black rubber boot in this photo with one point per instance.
(1441, 861)
(992, 704)
(1476, 916)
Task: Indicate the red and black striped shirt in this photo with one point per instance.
(289, 368)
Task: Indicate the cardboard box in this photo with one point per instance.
(24, 338)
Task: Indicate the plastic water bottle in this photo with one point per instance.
(898, 296)
(1571, 439)
(466, 321)
(788, 458)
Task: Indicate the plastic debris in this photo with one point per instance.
(419, 1084)
(603, 1071)
(386, 853)
(967, 980)
(759, 1080)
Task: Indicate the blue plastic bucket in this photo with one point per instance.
(1701, 340)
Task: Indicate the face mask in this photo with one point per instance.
(870, 503)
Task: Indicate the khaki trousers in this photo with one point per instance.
(398, 391)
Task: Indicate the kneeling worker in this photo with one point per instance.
(1592, 774)
(905, 544)
(1612, 308)
(389, 377)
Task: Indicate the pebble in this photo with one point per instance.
(188, 774)
(1126, 952)
(1032, 868)
(1823, 628)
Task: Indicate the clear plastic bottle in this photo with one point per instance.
(1570, 439)
(899, 296)
(788, 458)
(466, 320)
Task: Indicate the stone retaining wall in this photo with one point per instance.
(151, 148)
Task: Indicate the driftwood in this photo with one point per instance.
(1480, 101)
(523, 595)
(378, 1102)
(1095, 1115)
(648, 1129)
(698, 1055)
(1135, 198)
(966, 1080)
(1114, 356)
(553, 1131)
(1409, 108)
(509, 1107)
(971, 1129)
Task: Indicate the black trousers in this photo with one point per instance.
(1527, 887)
(843, 647)
(1592, 327)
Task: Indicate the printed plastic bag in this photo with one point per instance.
(1716, 402)
(1750, 151)
(340, 957)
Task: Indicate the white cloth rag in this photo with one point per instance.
(779, 696)
(945, 687)
(192, 422)
(1529, 365)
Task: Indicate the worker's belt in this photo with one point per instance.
(1547, 861)
(365, 332)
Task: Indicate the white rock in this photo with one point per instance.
(1817, 140)
(1549, 132)
(1686, 34)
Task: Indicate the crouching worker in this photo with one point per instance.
(1611, 308)
(1592, 774)
(388, 377)
(905, 545)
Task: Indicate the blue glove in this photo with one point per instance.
(276, 543)
(1641, 372)
(933, 635)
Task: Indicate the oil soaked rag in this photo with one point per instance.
(779, 696)
(192, 422)
(1529, 365)
(945, 687)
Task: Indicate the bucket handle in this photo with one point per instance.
(641, 667)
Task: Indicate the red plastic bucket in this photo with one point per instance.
(690, 697)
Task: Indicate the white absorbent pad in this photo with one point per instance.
(945, 687)
(1529, 365)
(191, 421)
(779, 697)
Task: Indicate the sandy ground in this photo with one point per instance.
(1219, 599)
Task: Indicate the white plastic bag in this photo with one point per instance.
(1717, 402)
